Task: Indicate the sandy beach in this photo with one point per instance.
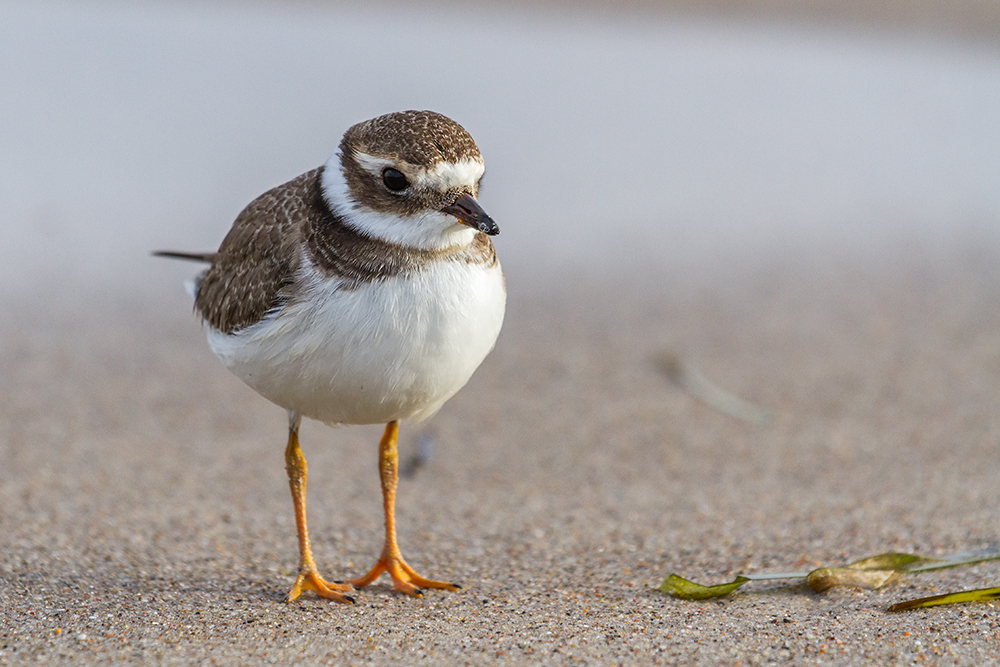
(145, 516)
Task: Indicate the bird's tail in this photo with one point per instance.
(191, 256)
(190, 286)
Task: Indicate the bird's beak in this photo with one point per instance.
(469, 212)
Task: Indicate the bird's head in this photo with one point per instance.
(410, 178)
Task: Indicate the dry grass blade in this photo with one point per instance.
(824, 578)
(698, 386)
(873, 572)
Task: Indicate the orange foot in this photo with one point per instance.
(311, 581)
(404, 579)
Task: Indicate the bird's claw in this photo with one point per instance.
(311, 581)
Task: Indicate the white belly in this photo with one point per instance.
(394, 349)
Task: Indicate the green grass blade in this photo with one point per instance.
(688, 590)
(954, 560)
(872, 572)
(976, 595)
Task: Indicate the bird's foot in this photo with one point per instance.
(309, 580)
(404, 579)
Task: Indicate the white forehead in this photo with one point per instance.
(442, 176)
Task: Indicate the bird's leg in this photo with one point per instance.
(404, 579)
(308, 579)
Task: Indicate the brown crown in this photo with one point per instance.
(418, 137)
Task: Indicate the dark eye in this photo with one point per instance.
(394, 180)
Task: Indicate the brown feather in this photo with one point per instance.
(256, 268)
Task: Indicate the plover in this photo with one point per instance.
(365, 291)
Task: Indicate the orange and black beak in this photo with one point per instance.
(469, 212)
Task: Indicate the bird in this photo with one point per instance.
(366, 291)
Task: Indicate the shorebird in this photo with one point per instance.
(365, 291)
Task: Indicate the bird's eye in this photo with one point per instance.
(394, 180)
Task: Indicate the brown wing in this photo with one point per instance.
(254, 270)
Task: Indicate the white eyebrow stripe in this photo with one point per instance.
(446, 175)
(373, 165)
(442, 176)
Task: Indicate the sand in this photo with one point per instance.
(146, 516)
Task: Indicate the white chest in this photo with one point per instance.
(397, 348)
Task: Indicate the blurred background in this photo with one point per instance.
(798, 199)
(689, 135)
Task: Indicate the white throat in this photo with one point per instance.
(429, 230)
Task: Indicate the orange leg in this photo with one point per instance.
(404, 579)
(308, 579)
